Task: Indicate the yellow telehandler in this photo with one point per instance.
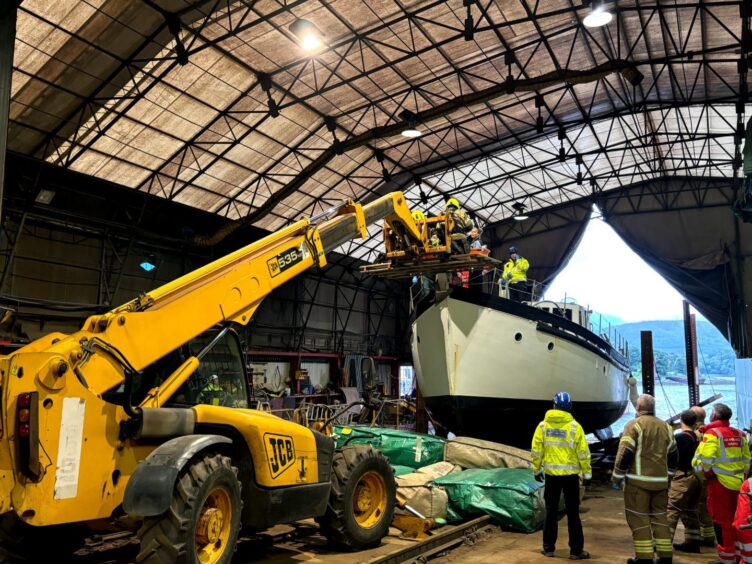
(141, 419)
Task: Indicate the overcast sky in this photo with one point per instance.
(605, 274)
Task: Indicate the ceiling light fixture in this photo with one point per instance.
(411, 130)
(149, 263)
(598, 16)
(519, 212)
(45, 196)
(308, 35)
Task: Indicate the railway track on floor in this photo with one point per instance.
(443, 540)
(121, 548)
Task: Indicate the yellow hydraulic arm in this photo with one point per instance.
(230, 289)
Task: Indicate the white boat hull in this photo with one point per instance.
(492, 374)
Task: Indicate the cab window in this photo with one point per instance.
(219, 379)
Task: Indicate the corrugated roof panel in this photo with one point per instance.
(378, 59)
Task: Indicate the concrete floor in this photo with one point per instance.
(607, 538)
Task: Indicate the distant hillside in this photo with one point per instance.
(612, 319)
(715, 354)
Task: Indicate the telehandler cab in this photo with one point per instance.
(141, 420)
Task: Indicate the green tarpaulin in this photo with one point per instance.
(402, 470)
(402, 448)
(511, 496)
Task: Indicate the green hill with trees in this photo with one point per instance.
(715, 354)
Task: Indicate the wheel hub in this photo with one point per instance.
(365, 498)
(369, 500)
(209, 525)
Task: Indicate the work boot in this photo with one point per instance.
(548, 553)
(639, 560)
(584, 555)
(688, 546)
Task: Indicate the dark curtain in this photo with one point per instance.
(685, 229)
(547, 239)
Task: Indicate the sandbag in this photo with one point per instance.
(477, 453)
(418, 491)
(402, 448)
(422, 476)
(511, 496)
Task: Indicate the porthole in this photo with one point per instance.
(518, 337)
(550, 346)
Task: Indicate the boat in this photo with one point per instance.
(679, 379)
(489, 367)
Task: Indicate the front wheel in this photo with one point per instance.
(361, 503)
(203, 521)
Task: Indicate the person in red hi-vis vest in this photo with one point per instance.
(742, 519)
(723, 459)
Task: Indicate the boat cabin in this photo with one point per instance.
(591, 321)
(570, 311)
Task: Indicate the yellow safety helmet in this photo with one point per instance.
(453, 202)
(419, 215)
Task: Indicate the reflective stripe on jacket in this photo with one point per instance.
(516, 270)
(744, 507)
(647, 453)
(559, 446)
(724, 454)
(461, 224)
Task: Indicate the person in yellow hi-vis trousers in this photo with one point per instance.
(707, 530)
(561, 452)
(646, 458)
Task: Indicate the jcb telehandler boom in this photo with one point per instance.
(141, 419)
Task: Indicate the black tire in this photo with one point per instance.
(20, 542)
(171, 537)
(339, 524)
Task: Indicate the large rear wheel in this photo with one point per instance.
(361, 503)
(202, 524)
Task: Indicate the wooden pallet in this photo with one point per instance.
(417, 267)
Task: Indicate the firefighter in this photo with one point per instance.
(722, 459)
(683, 495)
(515, 275)
(743, 518)
(561, 452)
(707, 531)
(461, 225)
(646, 458)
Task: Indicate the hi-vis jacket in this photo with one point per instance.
(647, 453)
(516, 270)
(462, 224)
(559, 446)
(723, 454)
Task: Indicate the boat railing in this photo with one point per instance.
(602, 327)
(532, 292)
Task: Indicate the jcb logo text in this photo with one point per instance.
(280, 452)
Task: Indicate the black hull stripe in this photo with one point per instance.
(512, 421)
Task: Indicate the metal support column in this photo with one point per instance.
(7, 42)
(690, 343)
(648, 362)
(421, 417)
